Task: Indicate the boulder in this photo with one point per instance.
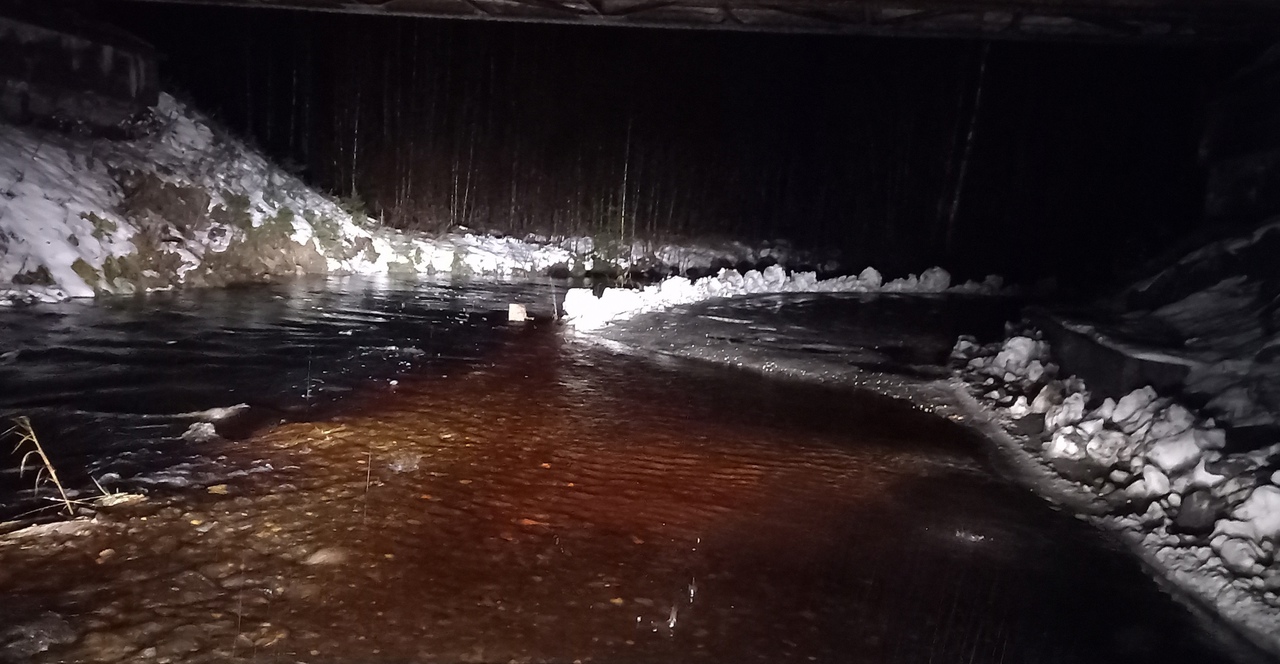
(1049, 396)
(1108, 448)
(1171, 421)
(1069, 412)
(1157, 482)
(1020, 407)
(1239, 555)
(1198, 512)
(1175, 454)
(1067, 443)
(1016, 355)
(1261, 511)
(1104, 411)
(1132, 409)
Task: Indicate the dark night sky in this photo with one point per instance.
(1084, 162)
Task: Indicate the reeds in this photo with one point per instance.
(26, 436)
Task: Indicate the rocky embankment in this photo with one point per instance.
(1206, 519)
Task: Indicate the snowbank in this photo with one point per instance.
(1210, 521)
(190, 205)
(586, 311)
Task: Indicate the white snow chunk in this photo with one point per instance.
(1172, 420)
(1137, 490)
(1239, 555)
(1070, 411)
(1049, 396)
(1019, 407)
(1016, 355)
(1176, 453)
(1257, 518)
(1109, 448)
(1129, 409)
(200, 432)
(585, 311)
(1090, 427)
(870, 277)
(1157, 482)
(935, 280)
(1067, 443)
(1105, 410)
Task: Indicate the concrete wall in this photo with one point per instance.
(72, 76)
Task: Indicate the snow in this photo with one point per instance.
(1068, 442)
(588, 312)
(1070, 411)
(1176, 453)
(1151, 452)
(66, 226)
(1133, 407)
(1156, 481)
(1017, 355)
(1257, 518)
(1108, 448)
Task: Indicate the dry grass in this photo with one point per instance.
(26, 436)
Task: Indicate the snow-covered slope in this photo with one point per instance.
(188, 204)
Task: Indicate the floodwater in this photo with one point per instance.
(494, 492)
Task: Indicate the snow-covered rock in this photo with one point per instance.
(1109, 449)
(1173, 420)
(1157, 482)
(1105, 410)
(1149, 459)
(1070, 411)
(1257, 518)
(1067, 443)
(1175, 453)
(1048, 397)
(1016, 356)
(1239, 555)
(1133, 410)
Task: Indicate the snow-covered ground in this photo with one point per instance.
(586, 311)
(188, 204)
(1208, 521)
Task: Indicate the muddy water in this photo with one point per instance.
(545, 502)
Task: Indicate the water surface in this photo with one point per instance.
(517, 496)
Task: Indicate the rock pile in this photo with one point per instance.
(1159, 467)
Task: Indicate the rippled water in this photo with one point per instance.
(516, 496)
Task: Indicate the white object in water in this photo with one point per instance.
(517, 314)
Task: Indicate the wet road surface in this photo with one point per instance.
(545, 502)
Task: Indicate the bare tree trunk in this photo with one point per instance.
(968, 147)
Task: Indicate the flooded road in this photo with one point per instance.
(518, 497)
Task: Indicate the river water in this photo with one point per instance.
(417, 480)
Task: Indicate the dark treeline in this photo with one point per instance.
(870, 146)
